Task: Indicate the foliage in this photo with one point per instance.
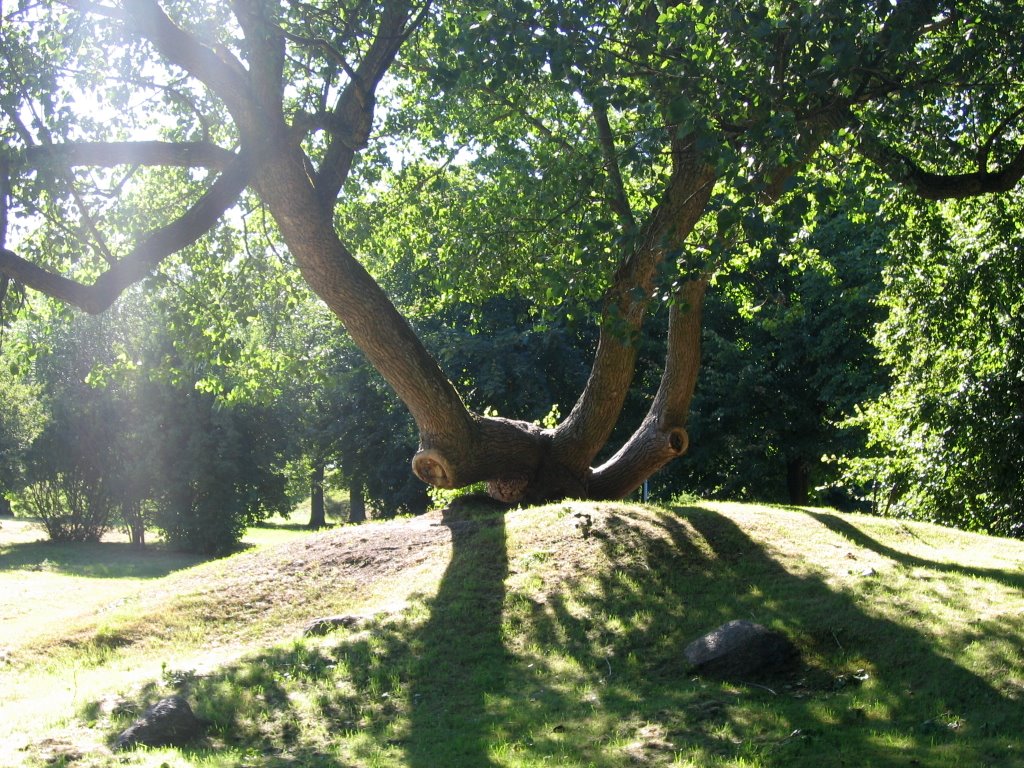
(218, 470)
(131, 437)
(69, 507)
(786, 359)
(21, 420)
(597, 161)
(948, 436)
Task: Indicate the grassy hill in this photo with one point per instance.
(547, 636)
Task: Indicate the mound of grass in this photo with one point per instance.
(554, 636)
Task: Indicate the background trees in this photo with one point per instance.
(599, 160)
(788, 358)
(947, 434)
(129, 434)
(20, 421)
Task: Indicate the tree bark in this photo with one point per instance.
(662, 435)
(317, 512)
(588, 426)
(356, 502)
(798, 478)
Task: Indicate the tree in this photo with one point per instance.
(668, 132)
(79, 465)
(788, 358)
(947, 434)
(21, 420)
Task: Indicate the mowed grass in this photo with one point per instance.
(546, 636)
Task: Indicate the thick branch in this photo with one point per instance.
(353, 112)
(497, 448)
(618, 200)
(934, 186)
(377, 328)
(266, 56)
(219, 70)
(662, 435)
(146, 255)
(107, 154)
(587, 428)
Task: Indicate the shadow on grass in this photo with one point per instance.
(836, 524)
(589, 671)
(335, 512)
(462, 661)
(874, 692)
(920, 707)
(114, 560)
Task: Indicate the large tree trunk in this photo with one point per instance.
(518, 460)
(356, 502)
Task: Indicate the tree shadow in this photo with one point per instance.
(587, 669)
(462, 658)
(704, 570)
(844, 528)
(114, 560)
(414, 684)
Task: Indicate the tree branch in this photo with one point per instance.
(219, 70)
(266, 55)
(662, 435)
(186, 154)
(618, 200)
(353, 111)
(934, 186)
(587, 427)
(146, 255)
(986, 149)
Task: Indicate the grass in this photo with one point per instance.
(547, 636)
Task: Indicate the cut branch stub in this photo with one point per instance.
(433, 468)
(679, 440)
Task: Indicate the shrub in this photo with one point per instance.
(68, 508)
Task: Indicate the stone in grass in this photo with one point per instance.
(327, 624)
(168, 723)
(742, 650)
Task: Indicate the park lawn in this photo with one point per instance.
(545, 636)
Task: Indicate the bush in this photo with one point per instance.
(68, 508)
(218, 470)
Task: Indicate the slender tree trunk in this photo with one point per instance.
(356, 502)
(5, 507)
(317, 514)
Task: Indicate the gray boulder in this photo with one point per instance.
(168, 723)
(742, 650)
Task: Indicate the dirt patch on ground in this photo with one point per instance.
(271, 594)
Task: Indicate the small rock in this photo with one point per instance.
(327, 624)
(168, 723)
(741, 650)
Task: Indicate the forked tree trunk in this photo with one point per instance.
(520, 461)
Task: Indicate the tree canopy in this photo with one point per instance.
(599, 159)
